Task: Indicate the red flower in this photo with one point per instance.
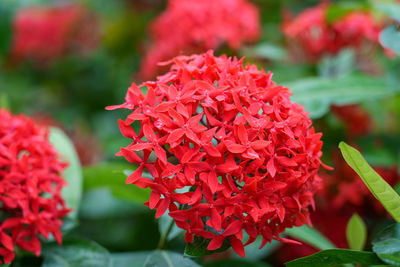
(30, 186)
(311, 35)
(356, 119)
(344, 187)
(233, 152)
(45, 33)
(188, 26)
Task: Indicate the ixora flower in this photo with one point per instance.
(311, 35)
(189, 26)
(45, 33)
(232, 151)
(30, 186)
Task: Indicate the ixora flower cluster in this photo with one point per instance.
(232, 151)
(189, 26)
(312, 33)
(45, 33)
(30, 186)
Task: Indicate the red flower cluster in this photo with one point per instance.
(356, 119)
(344, 187)
(30, 186)
(189, 26)
(233, 152)
(312, 34)
(43, 34)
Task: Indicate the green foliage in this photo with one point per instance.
(199, 247)
(72, 193)
(390, 37)
(391, 9)
(387, 244)
(317, 94)
(310, 236)
(152, 258)
(254, 253)
(375, 183)
(333, 257)
(236, 263)
(356, 232)
(78, 253)
(112, 176)
(338, 10)
(265, 51)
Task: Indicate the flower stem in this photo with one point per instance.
(164, 237)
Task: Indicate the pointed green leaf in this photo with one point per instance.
(334, 257)
(386, 244)
(310, 236)
(356, 232)
(390, 38)
(72, 193)
(375, 183)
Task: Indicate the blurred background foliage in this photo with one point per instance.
(73, 91)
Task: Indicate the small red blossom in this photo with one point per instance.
(30, 186)
(189, 26)
(45, 33)
(233, 152)
(310, 35)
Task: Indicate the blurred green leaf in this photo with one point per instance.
(356, 233)
(152, 258)
(265, 51)
(78, 253)
(253, 251)
(375, 183)
(318, 94)
(112, 176)
(198, 247)
(390, 38)
(236, 263)
(164, 224)
(338, 65)
(4, 101)
(391, 9)
(310, 236)
(337, 11)
(333, 257)
(72, 193)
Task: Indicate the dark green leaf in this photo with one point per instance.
(333, 257)
(152, 259)
(375, 183)
(390, 38)
(388, 251)
(199, 247)
(318, 94)
(112, 176)
(310, 236)
(76, 253)
(356, 233)
(392, 231)
(253, 251)
(72, 193)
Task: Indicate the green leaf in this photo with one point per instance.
(333, 257)
(76, 253)
(388, 251)
(164, 223)
(4, 101)
(390, 38)
(375, 183)
(152, 258)
(391, 9)
(72, 193)
(356, 233)
(199, 247)
(265, 51)
(236, 263)
(318, 94)
(310, 236)
(113, 176)
(334, 66)
(253, 251)
(387, 244)
(337, 11)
